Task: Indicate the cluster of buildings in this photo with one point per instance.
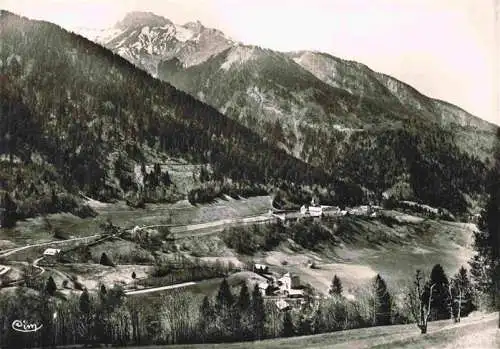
(321, 210)
(314, 209)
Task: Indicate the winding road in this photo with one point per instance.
(11, 251)
(189, 230)
(35, 265)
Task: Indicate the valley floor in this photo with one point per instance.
(369, 246)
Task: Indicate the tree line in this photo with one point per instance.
(248, 240)
(233, 313)
(485, 264)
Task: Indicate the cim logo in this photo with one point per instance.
(25, 326)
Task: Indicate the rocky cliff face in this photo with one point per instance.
(359, 79)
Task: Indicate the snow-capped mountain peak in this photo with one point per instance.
(147, 39)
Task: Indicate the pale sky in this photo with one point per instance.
(444, 48)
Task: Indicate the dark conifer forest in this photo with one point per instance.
(70, 108)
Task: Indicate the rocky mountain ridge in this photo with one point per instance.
(335, 114)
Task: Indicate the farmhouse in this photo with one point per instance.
(288, 285)
(315, 211)
(304, 209)
(261, 268)
(473, 218)
(51, 252)
(359, 211)
(331, 209)
(295, 293)
(263, 286)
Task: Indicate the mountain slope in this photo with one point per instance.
(376, 143)
(338, 115)
(359, 79)
(76, 117)
(142, 35)
(259, 87)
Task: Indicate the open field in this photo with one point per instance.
(90, 275)
(208, 287)
(38, 229)
(367, 247)
(370, 246)
(359, 247)
(183, 213)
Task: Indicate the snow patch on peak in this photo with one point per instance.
(183, 34)
(196, 38)
(145, 30)
(101, 36)
(238, 55)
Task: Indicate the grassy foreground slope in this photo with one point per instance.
(472, 333)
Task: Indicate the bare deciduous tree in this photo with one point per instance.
(460, 292)
(456, 289)
(420, 308)
(451, 303)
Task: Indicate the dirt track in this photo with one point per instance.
(163, 288)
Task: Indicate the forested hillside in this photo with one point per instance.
(375, 142)
(75, 117)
